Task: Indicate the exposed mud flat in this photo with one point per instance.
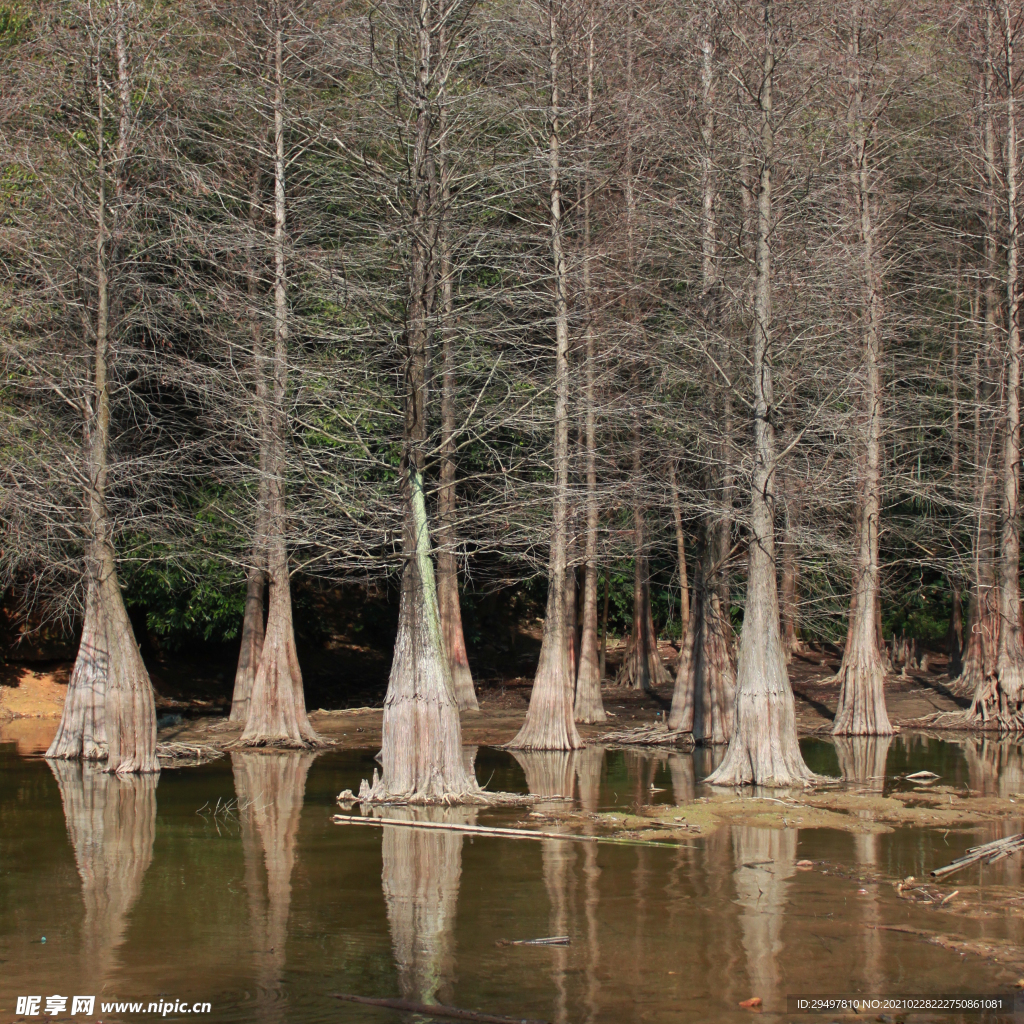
(27, 693)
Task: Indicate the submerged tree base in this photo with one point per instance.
(375, 792)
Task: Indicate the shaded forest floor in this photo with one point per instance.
(345, 685)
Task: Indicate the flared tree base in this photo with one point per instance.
(764, 749)
(861, 710)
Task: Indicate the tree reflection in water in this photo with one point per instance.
(862, 761)
(589, 766)
(553, 773)
(420, 876)
(111, 820)
(764, 861)
(270, 788)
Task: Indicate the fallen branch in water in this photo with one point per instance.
(179, 755)
(553, 940)
(342, 711)
(436, 1010)
(505, 833)
(989, 853)
(650, 736)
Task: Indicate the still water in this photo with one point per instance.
(230, 884)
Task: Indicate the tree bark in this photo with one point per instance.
(549, 721)
(109, 710)
(588, 706)
(277, 705)
(861, 710)
(603, 658)
(764, 748)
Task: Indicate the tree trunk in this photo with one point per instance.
(789, 591)
(256, 579)
(277, 705)
(642, 667)
(549, 721)
(82, 731)
(109, 709)
(588, 705)
(764, 748)
(861, 710)
(1011, 645)
(980, 660)
(604, 626)
(705, 674)
(447, 564)
(421, 751)
(571, 602)
(684, 586)
(955, 633)
(704, 698)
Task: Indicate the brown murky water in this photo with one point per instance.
(230, 884)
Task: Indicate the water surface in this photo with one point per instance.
(229, 883)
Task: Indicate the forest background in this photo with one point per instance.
(903, 111)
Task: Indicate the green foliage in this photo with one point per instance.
(921, 611)
(12, 24)
(202, 601)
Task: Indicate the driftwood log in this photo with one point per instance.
(988, 852)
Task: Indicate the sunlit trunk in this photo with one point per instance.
(109, 710)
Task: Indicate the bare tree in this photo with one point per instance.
(763, 748)
(997, 698)
(861, 710)
(549, 721)
(277, 705)
(422, 735)
(588, 706)
(109, 710)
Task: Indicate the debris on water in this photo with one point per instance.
(987, 852)
(805, 864)
(551, 940)
(923, 775)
